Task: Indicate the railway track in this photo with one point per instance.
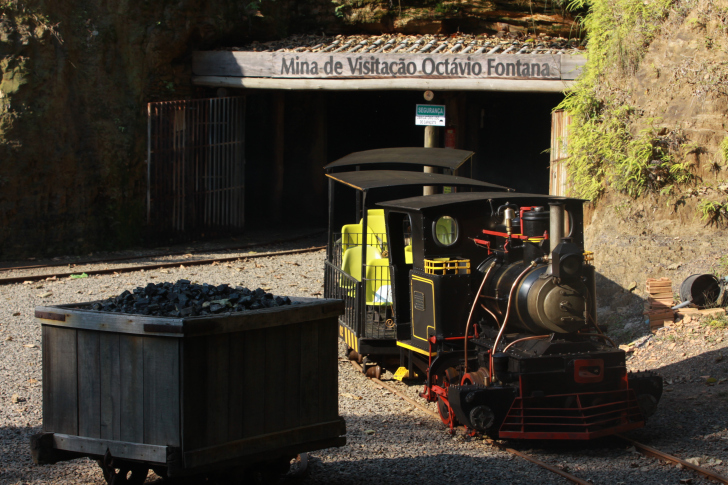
(147, 267)
(644, 449)
(151, 254)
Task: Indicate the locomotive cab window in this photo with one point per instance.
(446, 231)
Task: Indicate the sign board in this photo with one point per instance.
(430, 115)
(309, 65)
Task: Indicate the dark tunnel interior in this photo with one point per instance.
(509, 133)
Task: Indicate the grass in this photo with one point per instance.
(718, 322)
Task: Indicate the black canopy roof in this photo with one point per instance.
(449, 158)
(374, 179)
(424, 202)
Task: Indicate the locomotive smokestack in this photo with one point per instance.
(556, 228)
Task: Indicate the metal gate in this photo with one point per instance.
(196, 165)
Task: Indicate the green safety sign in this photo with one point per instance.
(430, 115)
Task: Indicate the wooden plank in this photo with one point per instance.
(571, 66)
(47, 344)
(309, 374)
(161, 391)
(276, 404)
(328, 368)
(217, 397)
(237, 386)
(118, 449)
(89, 385)
(256, 374)
(264, 443)
(106, 322)
(110, 374)
(349, 65)
(131, 356)
(292, 375)
(265, 318)
(399, 84)
(306, 309)
(60, 380)
(195, 388)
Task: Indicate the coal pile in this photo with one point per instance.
(185, 299)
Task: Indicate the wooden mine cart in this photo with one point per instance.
(187, 396)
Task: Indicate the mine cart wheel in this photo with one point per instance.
(272, 470)
(119, 472)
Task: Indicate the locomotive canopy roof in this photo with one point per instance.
(374, 179)
(438, 200)
(449, 158)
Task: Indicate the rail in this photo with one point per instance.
(147, 267)
(644, 449)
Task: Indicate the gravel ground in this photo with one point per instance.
(387, 437)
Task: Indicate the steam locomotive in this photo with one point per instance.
(490, 297)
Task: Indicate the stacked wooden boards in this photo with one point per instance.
(659, 302)
(191, 394)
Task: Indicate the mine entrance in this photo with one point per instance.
(297, 133)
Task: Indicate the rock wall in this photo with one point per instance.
(75, 78)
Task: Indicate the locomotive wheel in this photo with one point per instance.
(478, 377)
(443, 409)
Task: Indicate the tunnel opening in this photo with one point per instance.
(291, 136)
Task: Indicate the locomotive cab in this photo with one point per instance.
(497, 309)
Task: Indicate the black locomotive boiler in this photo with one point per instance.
(491, 297)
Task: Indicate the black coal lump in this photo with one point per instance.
(186, 299)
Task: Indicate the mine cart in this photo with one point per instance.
(187, 396)
(357, 267)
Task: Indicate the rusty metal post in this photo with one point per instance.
(430, 142)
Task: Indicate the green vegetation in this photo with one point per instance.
(713, 213)
(723, 149)
(723, 264)
(604, 151)
(719, 322)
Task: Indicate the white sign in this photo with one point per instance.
(430, 115)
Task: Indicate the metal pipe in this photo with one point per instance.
(508, 313)
(491, 313)
(532, 337)
(472, 310)
(556, 229)
(682, 305)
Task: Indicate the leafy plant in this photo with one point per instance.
(340, 11)
(723, 149)
(603, 151)
(713, 213)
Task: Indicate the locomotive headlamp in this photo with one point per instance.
(567, 260)
(570, 264)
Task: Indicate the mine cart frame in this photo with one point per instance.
(377, 175)
(189, 395)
